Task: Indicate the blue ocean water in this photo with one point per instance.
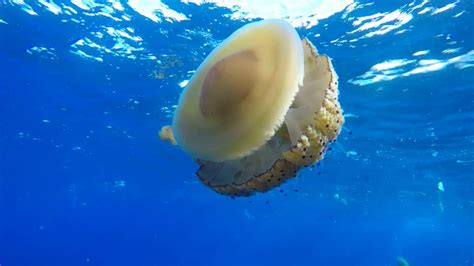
(85, 85)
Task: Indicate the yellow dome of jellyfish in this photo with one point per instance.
(262, 105)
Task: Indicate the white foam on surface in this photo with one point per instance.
(420, 53)
(156, 10)
(445, 8)
(381, 23)
(392, 69)
(51, 6)
(300, 13)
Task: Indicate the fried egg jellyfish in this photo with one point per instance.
(262, 105)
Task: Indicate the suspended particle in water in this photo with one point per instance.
(440, 186)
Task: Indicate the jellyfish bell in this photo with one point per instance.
(260, 107)
(239, 95)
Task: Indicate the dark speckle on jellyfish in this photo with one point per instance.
(262, 106)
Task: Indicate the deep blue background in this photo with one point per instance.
(60, 205)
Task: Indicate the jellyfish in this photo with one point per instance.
(261, 106)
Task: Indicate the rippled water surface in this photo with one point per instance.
(85, 85)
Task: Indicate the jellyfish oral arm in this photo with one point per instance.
(166, 134)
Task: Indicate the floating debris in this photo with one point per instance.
(158, 74)
(351, 153)
(402, 261)
(440, 186)
(119, 183)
